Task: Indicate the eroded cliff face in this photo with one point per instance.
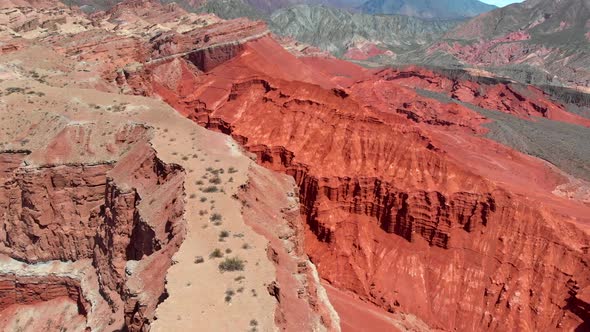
(120, 216)
(31, 290)
(270, 205)
(57, 221)
(392, 211)
(504, 259)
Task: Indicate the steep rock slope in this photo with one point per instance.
(406, 204)
(428, 9)
(98, 211)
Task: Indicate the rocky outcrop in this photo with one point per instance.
(173, 55)
(124, 216)
(58, 221)
(142, 223)
(31, 290)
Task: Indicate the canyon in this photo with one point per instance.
(384, 196)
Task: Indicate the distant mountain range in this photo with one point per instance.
(551, 37)
(428, 9)
(341, 31)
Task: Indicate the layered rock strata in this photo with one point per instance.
(392, 213)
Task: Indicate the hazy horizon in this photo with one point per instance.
(501, 3)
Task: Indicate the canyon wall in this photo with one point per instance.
(123, 217)
(392, 213)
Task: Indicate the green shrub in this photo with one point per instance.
(232, 264)
(210, 189)
(217, 253)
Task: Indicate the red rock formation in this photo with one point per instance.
(270, 207)
(107, 213)
(488, 52)
(31, 290)
(392, 211)
(512, 98)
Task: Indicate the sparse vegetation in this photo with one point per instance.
(232, 264)
(12, 90)
(229, 294)
(199, 260)
(217, 253)
(211, 189)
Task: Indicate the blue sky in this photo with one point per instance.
(500, 3)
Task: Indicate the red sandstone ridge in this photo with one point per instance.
(523, 101)
(405, 204)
